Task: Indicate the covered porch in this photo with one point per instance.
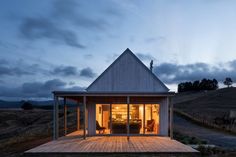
(128, 111)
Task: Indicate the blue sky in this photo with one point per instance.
(66, 44)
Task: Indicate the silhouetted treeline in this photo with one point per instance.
(204, 84)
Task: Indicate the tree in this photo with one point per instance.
(27, 106)
(181, 87)
(228, 82)
(204, 84)
(215, 84)
(196, 85)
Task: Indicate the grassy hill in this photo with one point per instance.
(207, 105)
(21, 130)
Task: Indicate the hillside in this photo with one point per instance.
(21, 130)
(209, 105)
(10, 104)
(36, 104)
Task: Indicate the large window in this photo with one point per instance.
(143, 118)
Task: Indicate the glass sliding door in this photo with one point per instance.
(102, 118)
(152, 118)
(119, 119)
(136, 119)
(112, 118)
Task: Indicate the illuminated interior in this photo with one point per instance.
(143, 119)
(152, 118)
(102, 118)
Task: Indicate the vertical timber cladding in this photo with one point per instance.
(91, 119)
(164, 118)
(140, 78)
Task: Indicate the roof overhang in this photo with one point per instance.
(86, 93)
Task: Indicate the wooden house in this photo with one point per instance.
(126, 99)
(126, 110)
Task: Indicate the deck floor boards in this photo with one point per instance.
(111, 144)
(114, 144)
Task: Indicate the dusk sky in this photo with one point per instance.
(65, 44)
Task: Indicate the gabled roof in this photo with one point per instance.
(127, 74)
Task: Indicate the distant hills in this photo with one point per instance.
(17, 104)
(9, 104)
(44, 104)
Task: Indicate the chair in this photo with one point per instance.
(100, 128)
(150, 125)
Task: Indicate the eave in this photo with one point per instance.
(86, 93)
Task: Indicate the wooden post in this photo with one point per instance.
(171, 118)
(65, 117)
(78, 118)
(128, 101)
(57, 115)
(110, 118)
(85, 117)
(144, 117)
(55, 118)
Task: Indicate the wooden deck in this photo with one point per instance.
(112, 144)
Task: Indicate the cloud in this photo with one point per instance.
(91, 19)
(3, 62)
(87, 72)
(114, 11)
(176, 73)
(65, 71)
(88, 56)
(19, 68)
(64, 20)
(7, 70)
(145, 57)
(68, 10)
(154, 39)
(42, 89)
(43, 28)
(36, 90)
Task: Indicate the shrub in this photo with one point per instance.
(27, 106)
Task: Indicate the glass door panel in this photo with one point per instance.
(119, 118)
(152, 118)
(136, 119)
(102, 118)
